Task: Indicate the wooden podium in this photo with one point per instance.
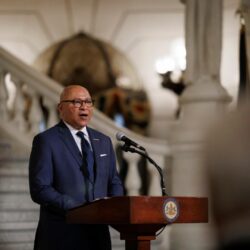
(138, 218)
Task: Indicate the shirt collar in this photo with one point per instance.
(74, 131)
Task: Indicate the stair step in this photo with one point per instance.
(5, 149)
(16, 166)
(16, 246)
(16, 201)
(14, 184)
(15, 226)
(17, 236)
(19, 216)
(14, 171)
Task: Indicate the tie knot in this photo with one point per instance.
(84, 141)
(80, 134)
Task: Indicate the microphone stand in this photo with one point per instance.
(128, 148)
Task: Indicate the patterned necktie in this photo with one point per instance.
(87, 156)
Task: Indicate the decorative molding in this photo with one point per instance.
(92, 27)
(125, 16)
(37, 15)
(22, 40)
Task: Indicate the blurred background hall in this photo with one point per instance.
(160, 71)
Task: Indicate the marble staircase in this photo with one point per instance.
(18, 214)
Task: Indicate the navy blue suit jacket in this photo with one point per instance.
(58, 184)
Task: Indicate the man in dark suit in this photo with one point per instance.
(61, 178)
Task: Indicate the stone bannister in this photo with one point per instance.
(23, 93)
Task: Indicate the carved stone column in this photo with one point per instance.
(203, 99)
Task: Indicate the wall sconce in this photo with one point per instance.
(171, 82)
(172, 68)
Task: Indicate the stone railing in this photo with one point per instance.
(24, 95)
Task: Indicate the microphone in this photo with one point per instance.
(126, 147)
(122, 137)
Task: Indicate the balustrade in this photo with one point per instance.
(3, 97)
(19, 106)
(35, 115)
(132, 181)
(51, 107)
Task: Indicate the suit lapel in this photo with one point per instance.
(69, 141)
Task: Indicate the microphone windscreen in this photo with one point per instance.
(119, 136)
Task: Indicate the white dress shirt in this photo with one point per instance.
(77, 139)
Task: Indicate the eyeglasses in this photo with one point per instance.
(78, 102)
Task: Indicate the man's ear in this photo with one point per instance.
(59, 107)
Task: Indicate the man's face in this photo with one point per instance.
(77, 117)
